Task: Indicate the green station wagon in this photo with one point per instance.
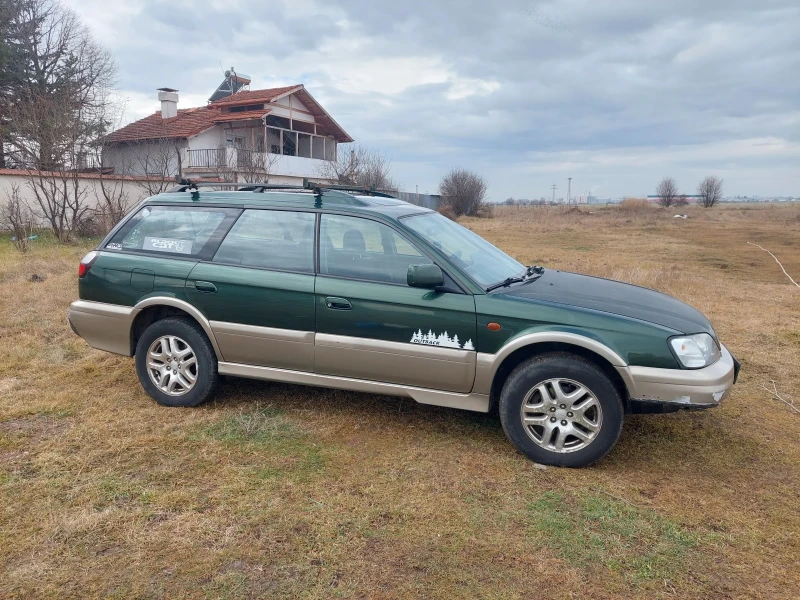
(351, 290)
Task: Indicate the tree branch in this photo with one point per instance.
(777, 396)
(777, 261)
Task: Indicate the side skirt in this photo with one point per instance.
(474, 402)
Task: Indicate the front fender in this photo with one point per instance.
(489, 364)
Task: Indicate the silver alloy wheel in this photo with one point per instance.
(172, 365)
(561, 415)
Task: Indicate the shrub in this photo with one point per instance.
(448, 212)
(635, 204)
(464, 191)
(485, 211)
(18, 219)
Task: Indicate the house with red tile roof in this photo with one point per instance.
(279, 135)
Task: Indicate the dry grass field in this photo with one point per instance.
(280, 491)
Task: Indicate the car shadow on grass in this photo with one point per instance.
(647, 441)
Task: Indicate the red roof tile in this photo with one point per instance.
(241, 116)
(255, 96)
(189, 122)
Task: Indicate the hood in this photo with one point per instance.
(612, 297)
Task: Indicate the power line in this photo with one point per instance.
(554, 187)
(569, 190)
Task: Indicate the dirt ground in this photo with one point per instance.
(280, 491)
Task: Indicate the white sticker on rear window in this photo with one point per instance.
(167, 245)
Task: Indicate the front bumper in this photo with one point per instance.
(667, 390)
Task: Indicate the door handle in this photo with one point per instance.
(335, 303)
(205, 287)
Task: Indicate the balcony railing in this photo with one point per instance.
(233, 160)
(209, 158)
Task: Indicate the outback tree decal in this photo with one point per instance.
(444, 340)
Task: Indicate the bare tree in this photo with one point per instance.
(682, 200)
(155, 162)
(710, 191)
(58, 108)
(464, 191)
(112, 194)
(360, 167)
(61, 201)
(50, 121)
(16, 217)
(667, 192)
(62, 88)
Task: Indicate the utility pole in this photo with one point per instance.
(554, 187)
(569, 190)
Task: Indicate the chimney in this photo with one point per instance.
(169, 102)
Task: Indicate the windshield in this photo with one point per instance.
(483, 262)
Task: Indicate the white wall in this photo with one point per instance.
(89, 185)
(129, 159)
(208, 139)
(296, 166)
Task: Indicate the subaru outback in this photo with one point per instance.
(352, 290)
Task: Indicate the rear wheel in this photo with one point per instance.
(561, 409)
(175, 363)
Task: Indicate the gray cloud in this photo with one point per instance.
(615, 93)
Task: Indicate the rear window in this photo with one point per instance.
(175, 231)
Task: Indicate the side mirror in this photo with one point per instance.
(425, 276)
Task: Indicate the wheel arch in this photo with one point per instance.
(157, 308)
(536, 344)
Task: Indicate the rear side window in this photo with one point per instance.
(176, 231)
(271, 239)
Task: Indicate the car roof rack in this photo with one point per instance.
(188, 184)
(317, 187)
(349, 189)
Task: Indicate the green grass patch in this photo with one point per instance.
(287, 448)
(261, 426)
(599, 533)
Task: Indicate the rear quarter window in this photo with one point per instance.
(174, 231)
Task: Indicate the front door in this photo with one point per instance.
(258, 291)
(372, 325)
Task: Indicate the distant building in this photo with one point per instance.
(282, 134)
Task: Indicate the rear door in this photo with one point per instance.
(154, 251)
(372, 325)
(258, 290)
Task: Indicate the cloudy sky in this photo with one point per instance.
(613, 93)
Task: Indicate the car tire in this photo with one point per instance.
(561, 409)
(175, 343)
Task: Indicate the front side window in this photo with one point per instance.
(173, 230)
(365, 249)
(270, 239)
(485, 263)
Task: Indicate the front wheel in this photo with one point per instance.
(561, 409)
(176, 363)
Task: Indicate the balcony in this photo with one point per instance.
(219, 161)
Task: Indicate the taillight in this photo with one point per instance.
(86, 264)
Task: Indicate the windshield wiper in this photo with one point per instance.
(504, 283)
(531, 274)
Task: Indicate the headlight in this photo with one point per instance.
(695, 351)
